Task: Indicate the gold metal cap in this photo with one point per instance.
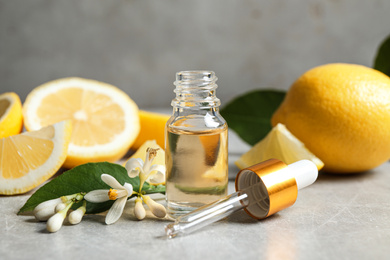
(279, 187)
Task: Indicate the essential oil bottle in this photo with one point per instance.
(196, 144)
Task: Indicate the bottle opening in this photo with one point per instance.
(195, 89)
(199, 78)
(191, 75)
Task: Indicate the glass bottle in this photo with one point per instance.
(196, 144)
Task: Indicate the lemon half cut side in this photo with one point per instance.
(30, 158)
(278, 144)
(105, 119)
(11, 119)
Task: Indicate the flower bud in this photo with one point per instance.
(55, 222)
(157, 209)
(139, 210)
(60, 207)
(46, 209)
(76, 216)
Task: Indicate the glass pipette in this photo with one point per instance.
(262, 190)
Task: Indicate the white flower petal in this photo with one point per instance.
(147, 164)
(115, 211)
(156, 178)
(157, 174)
(129, 188)
(158, 168)
(122, 193)
(133, 173)
(97, 196)
(133, 165)
(111, 181)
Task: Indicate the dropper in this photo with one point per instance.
(262, 190)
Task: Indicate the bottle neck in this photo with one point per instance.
(183, 111)
(195, 90)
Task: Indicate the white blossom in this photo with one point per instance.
(118, 192)
(146, 171)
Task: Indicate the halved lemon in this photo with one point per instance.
(141, 154)
(105, 119)
(152, 128)
(278, 144)
(30, 158)
(11, 120)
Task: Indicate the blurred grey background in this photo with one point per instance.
(140, 45)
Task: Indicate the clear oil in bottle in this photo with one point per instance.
(196, 145)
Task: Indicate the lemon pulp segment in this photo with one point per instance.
(30, 158)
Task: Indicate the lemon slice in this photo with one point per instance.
(278, 144)
(159, 159)
(105, 119)
(11, 120)
(30, 158)
(152, 128)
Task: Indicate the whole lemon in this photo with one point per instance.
(341, 112)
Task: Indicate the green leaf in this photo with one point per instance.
(149, 189)
(382, 60)
(249, 115)
(85, 178)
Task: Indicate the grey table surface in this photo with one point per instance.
(338, 217)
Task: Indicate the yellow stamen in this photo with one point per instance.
(112, 194)
(152, 152)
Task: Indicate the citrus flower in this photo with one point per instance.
(118, 192)
(150, 173)
(146, 171)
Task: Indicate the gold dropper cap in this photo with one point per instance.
(279, 187)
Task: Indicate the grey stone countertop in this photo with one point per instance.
(338, 217)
